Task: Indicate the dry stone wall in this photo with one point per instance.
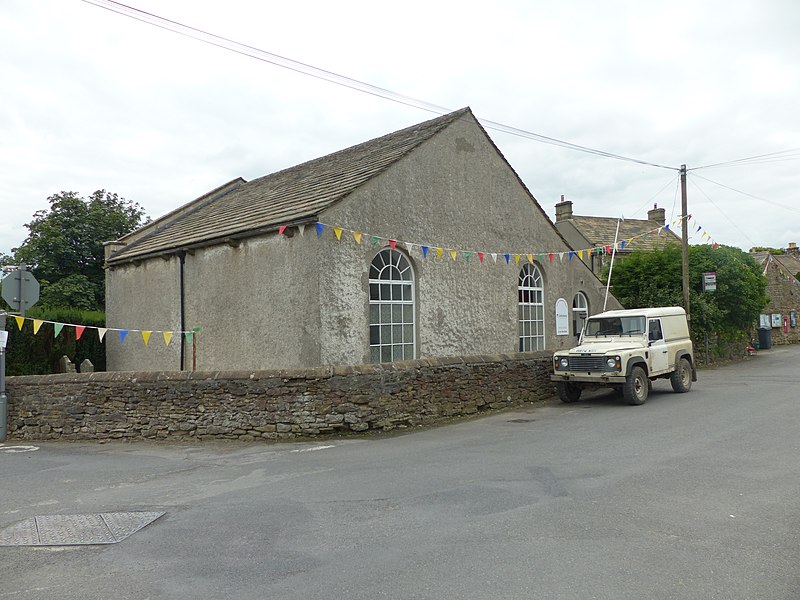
(271, 405)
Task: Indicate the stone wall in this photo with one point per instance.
(271, 405)
(784, 294)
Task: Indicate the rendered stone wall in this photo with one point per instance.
(271, 405)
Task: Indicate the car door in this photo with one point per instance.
(659, 353)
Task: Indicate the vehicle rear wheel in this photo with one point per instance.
(636, 386)
(568, 392)
(681, 378)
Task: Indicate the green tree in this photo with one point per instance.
(654, 278)
(65, 245)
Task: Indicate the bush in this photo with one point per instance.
(39, 354)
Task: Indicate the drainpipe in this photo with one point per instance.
(182, 260)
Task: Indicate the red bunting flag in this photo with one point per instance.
(608, 249)
(281, 229)
(480, 257)
(551, 258)
(393, 244)
(79, 331)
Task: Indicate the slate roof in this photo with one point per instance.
(242, 208)
(789, 263)
(600, 232)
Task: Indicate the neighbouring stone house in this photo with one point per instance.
(783, 289)
(597, 234)
(421, 243)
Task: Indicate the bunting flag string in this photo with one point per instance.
(547, 255)
(101, 331)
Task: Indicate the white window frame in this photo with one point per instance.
(392, 308)
(530, 313)
(579, 311)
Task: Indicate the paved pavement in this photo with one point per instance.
(689, 496)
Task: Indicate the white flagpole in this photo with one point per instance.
(611, 268)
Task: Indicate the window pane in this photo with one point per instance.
(386, 354)
(373, 291)
(408, 351)
(408, 333)
(397, 292)
(374, 335)
(386, 334)
(397, 333)
(408, 314)
(386, 313)
(407, 293)
(374, 314)
(397, 313)
(385, 292)
(375, 354)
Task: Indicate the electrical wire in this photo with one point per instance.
(331, 77)
(780, 156)
(724, 214)
(789, 208)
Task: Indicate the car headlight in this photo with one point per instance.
(611, 362)
(563, 362)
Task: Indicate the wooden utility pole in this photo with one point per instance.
(685, 242)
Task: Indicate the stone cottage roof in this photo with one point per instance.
(242, 208)
(599, 231)
(787, 264)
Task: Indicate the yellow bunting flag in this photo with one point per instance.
(530, 258)
(338, 232)
(453, 254)
(146, 337)
(20, 322)
(167, 337)
(439, 252)
(357, 237)
(37, 324)
(580, 254)
(516, 258)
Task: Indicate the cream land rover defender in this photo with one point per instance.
(626, 350)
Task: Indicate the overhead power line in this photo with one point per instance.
(781, 156)
(342, 80)
(789, 208)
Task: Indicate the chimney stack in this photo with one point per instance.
(793, 250)
(659, 215)
(563, 210)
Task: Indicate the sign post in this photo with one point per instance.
(21, 291)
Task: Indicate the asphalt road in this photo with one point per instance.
(689, 496)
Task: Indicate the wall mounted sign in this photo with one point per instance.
(777, 319)
(562, 317)
(793, 318)
(710, 282)
(764, 322)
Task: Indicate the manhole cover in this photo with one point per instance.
(76, 530)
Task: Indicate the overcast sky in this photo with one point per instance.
(92, 99)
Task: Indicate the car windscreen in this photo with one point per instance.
(607, 326)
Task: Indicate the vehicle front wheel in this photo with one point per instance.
(681, 378)
(568, 392)
(636, 386)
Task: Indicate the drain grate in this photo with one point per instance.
(76, 530)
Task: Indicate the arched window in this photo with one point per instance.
(580, 311)
(531, 309)
(392, 334)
